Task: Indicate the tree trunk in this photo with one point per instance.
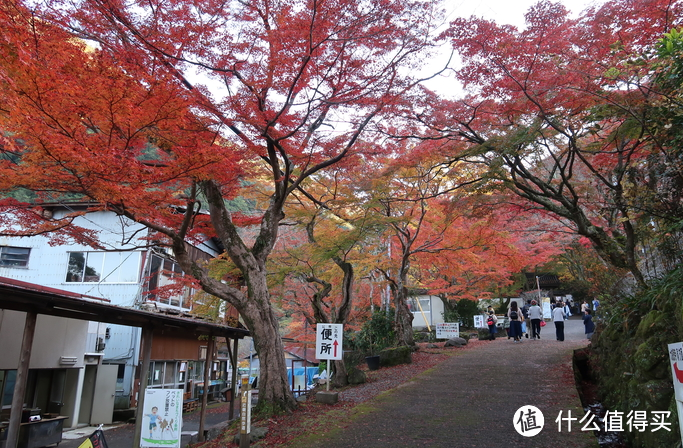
(341, 377)
(273, 384)
(404, 317)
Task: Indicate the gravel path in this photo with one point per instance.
(471, 399)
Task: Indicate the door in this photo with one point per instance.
(105, 391)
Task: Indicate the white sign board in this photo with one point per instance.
(162, 418)
(448, 330)
(245, 406)
(676, 359)
(480, 322)
(328, 341)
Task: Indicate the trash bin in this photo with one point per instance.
(373, 362)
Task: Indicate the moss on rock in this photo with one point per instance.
(395, 356)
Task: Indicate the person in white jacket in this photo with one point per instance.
(558, 320)
(535, 316)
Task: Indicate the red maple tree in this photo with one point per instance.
(98, 104)
(558, 111)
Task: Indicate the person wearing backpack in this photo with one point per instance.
(492, 321)
(516, 318)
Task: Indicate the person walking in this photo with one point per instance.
(567, 311)
(516, 318)
(584, 307)
(492, 321)
(535, 316)
(525, 314)
(558, 319)
(588, 323)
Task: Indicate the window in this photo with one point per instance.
(105, 267)
(425, 303)
(162, 271)
(14, 257)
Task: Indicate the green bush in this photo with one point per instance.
(467, 309)
(375, 334)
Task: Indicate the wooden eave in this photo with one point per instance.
(21, 296)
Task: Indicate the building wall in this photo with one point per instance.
(433, 315)
(54, 338)
(169, 347)
(49, 265)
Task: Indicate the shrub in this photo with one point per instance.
(375, 334)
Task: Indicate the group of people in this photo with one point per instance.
(532, 312)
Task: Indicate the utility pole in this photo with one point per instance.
(538, 285)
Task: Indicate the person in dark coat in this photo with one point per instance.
(516, 318)
(588, 323)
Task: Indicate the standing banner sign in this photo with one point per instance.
(676, 359)
(96, 440)
(162, 418)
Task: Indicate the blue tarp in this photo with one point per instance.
(299, 372)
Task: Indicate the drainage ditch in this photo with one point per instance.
(590, 400)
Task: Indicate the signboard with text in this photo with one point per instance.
(448, 330)
(328, 341)
(676, 359)
(162, 418)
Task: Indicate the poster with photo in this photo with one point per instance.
(162, 418)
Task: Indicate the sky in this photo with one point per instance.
(507, 11)
(501, 11)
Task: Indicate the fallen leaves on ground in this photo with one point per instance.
(312, 416)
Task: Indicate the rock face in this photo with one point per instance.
(631, 362)
(455, 342)
(356, 376)
(396, 356)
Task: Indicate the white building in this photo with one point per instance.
(427, 311)
(85, 355)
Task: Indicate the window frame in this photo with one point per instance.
(103, 265)
(5, 255)
(160, 272)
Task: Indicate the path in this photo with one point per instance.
(470, 400)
